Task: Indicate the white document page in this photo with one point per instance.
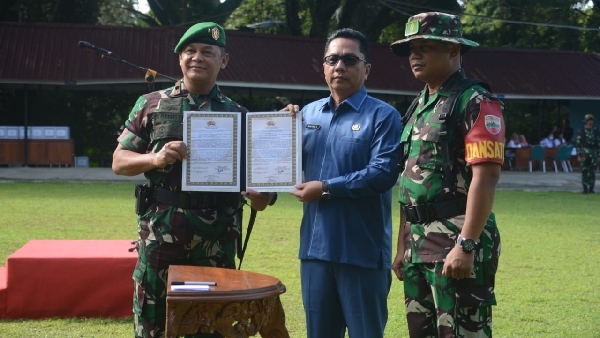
(274, 151)
(213, 142)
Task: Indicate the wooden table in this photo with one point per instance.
(242, 304)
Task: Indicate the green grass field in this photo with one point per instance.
(548, 284)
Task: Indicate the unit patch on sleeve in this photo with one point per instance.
(485, 141)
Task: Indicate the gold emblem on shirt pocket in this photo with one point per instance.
(355, 127)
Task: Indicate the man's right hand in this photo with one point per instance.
(292, 108)
(398, 266)
(170, 152)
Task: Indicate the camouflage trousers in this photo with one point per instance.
(588, 171)
(150, 278)
(438, 306)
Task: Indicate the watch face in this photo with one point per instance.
(468, 245)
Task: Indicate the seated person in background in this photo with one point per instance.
(515, 141)
(567, 131)
(556, 130)
(523, 141)
(548, 142)
(559, 140)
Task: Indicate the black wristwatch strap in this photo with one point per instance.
(272, 198)
(326, 194)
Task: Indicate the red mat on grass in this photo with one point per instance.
(2, 292)
(70, 278)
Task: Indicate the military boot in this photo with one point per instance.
(591, 190)
(585, 189)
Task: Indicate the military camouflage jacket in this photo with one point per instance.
(157, 118)
(588, 142)
(421, 180)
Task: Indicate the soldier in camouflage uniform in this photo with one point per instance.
(588, 149)
(448, 242)
(184, 228)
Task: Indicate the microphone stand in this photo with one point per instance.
(150, 73)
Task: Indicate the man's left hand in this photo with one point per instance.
(458, 264)
(258, 200)
(308, 191)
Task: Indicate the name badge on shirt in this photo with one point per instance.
(313, 126)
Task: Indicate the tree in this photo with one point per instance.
(169, 12)
(104, 12)
(541, 24)
(263, 16)
(318, 18)
(590, 40)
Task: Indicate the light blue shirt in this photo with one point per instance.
(356, 148)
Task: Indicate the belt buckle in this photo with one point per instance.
(418, 213)
(423, 214)
(410, 211)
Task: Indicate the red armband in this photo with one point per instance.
(485, 141)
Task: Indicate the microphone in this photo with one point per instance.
(87, 45)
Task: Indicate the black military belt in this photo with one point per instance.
(429, 212)
(196, 200)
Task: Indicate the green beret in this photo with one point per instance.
(203, 32)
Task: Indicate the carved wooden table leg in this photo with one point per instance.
(275, 327)
(232, 320)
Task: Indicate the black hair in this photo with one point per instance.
(350, 33)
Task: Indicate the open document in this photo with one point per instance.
(264, 151)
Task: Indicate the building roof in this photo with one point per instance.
(49, 54)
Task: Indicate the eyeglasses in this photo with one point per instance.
(349, 60)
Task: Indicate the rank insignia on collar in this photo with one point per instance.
(355, 127)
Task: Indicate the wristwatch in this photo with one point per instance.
(326, 194)
(467, 245)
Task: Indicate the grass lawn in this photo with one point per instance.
(548, 284)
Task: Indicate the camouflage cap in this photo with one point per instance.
(203, 32)
(432, 26)
(588, 117)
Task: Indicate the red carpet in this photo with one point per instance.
(69, 278)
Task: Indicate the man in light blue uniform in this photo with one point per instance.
(350, 161)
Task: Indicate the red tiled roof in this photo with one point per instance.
(48, 54)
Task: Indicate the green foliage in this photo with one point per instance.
(526, 27)
(547, 268)
(168, 12)
(534, 119)
(104, 12)
(252, 12)
(119, 13)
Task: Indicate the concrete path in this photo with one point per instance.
(514, 180)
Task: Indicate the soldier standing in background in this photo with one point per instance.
(588, 147)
